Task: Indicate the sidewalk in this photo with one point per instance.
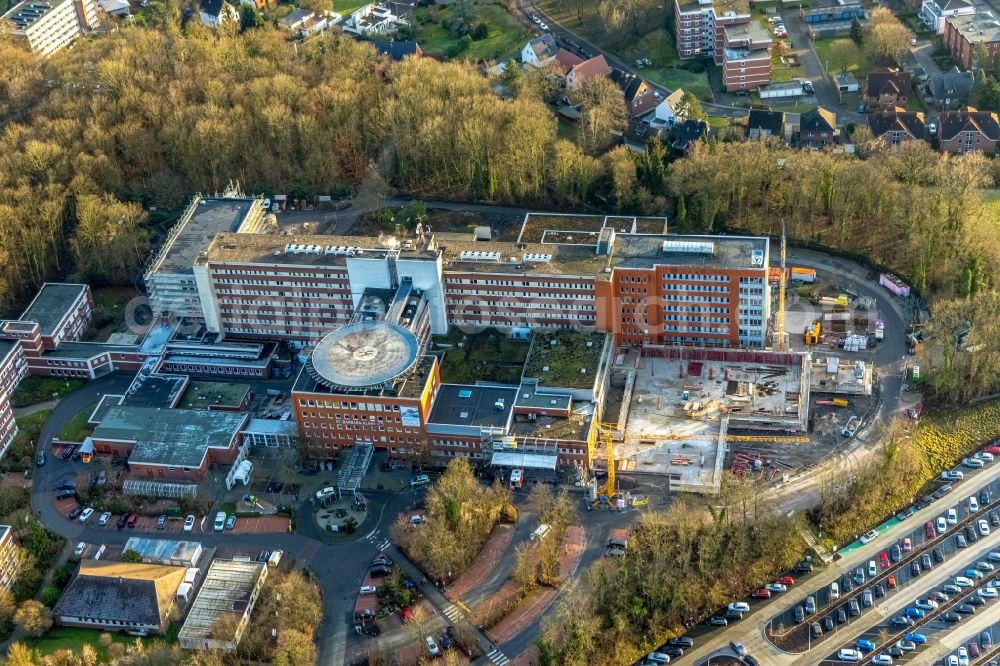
(20, 412)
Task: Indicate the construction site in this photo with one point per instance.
(679, 406)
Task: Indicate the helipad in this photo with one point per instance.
(364, 354)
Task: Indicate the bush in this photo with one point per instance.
(27, 583)
(459, 47)
(50, 595)
(480, 31)
(693, 66)
(61, 576)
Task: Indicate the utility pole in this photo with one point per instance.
(780, 336)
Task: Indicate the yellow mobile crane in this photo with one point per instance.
(606, 494)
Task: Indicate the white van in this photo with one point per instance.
(541, 531)
(220, 521)
(275, 558)
(420, 480)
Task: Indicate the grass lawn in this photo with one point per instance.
(199, 395)
(70, 638)
(673, 78)
(506, 33)
(347, 7)
(39, 389)
(782, 72)
(838, 54)
(76, 429)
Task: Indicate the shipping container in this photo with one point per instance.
(803, 274)
(894, 284)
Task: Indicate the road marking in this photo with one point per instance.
(452, 613)
(385, 544)
(370, 534)
(497, 657)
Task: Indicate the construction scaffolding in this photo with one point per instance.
(354, 467)
(160, 489)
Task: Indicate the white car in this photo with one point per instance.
(952, 475)
(847, 654)
(220, 521)
(780, 587)
(882, 660)
(993, 556)
(869, 536)
(984, 566)
(962, 581)
(432, 647)
(952, 516)
(834, 591)
(963, 657)
(85, 516)
(368, 589)
(80, 547)
(942, 525)
(987, 592)
(985, 456)
(105, 517)
(739, 607)
(984, 528)
(926, 604)
(973, 505)
(974, 463)
(189, 523)
(872, 569)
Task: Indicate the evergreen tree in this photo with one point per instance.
(857, 35)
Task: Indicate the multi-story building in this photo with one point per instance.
(934, 13)
(963, 35)
(700, 26)
(45, 26)
(171, 279)
(10, 557)
(896, 127)
(887, 89)
(746, 57)
(969, 130)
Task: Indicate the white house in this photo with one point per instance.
(540, 51)
(935, 12)
(374, 19)
(216, 12)
(669, 111)
(305, 22)
(115, 7)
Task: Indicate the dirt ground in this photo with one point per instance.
(505, 227)
(485, 562)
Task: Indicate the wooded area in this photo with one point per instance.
(681, 564)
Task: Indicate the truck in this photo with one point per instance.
(540, 532)
(617, 542)
(807, 275)
(894, 285)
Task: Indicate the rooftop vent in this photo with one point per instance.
(688, 247)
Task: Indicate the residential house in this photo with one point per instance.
(934, 13)
(119, 8)
(897, 126)
(968, 130)
(216, 12)
(399, 51)
(887, 89)
(699, 26)
(639, 97)
(587, 70)
(375, 19)
(765, 124)
(566, 60)
(119, 596)
(746, 57)
(687, 134)
(669, 111)
(46, 26)
(951, 89)
(539, 51)
(303, 22)
(818, 128)
(963, 35)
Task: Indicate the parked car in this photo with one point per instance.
(942, 525)
(973, 504)
(962, 581)
(865, 645)
(86, 514)
(189, 523)
(938, 555)
(985, 640)
(883, 659)
(926, 604)
(775, 587)
(951, 617)
(368, 589)
(161, 522)
(866, 598)
(984, 527)
(799, 615)
(785, 580)
(869, 536)
(929, 530)
(682, 642)
(810, 605)
(738, 648)
(965, 609)
(828, 623)
(231, 521)
(952, 475)
(883, 559)
(65, 494)
(960, 541)
(916, 637)
(80, 547)
(132, 519)
(907, 544)
(841, 616)
(914, 568)
(122, 519)
(834, 591)
(718, 621)
(40, 458)
(762, 593)
(803, 567)
(872, 569)
(849, 655)
(925, 561)
(987, 592)
(433, 650)
(895, 553)
(220, 521)
(104, 519)
(816, 629)
(952, 516)
(852, 608)
(913, 611)
(739, 607)
(973, 463)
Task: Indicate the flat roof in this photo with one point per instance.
(87, 350)
(721, 7)
(150, 389)
(976, 28)
(738, 252)
(24, 14)
(469, 405)
(6, 347)
(527, 460)
(753, 31)
(51, 304)
(200, 223)
(528, 396)
(308, 250)
(574, 428)
(174, 437)
(272, 427)
(202, 395)
(565, 358)
(408, 385)
(228, 588)
(165, 549)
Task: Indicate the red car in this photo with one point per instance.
(891, 581)
(993, 448)
(929, 530)
(785, 580)
(884, 559)
(762, 593)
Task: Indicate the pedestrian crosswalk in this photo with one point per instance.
(452, 613)
(385, 544)
(497, 657)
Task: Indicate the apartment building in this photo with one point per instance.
(963, 35)
(700, 26)
(46, 26)
(10, 557)
(746, 57)
(968, 130)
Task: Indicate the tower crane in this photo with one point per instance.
(606, 494)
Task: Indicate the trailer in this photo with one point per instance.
(894, 284)
(807, 275)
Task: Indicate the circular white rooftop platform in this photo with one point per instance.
(364, 354)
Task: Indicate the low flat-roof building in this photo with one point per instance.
(173, 444)
(165, 551)
(119, 596)
(230, 589)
